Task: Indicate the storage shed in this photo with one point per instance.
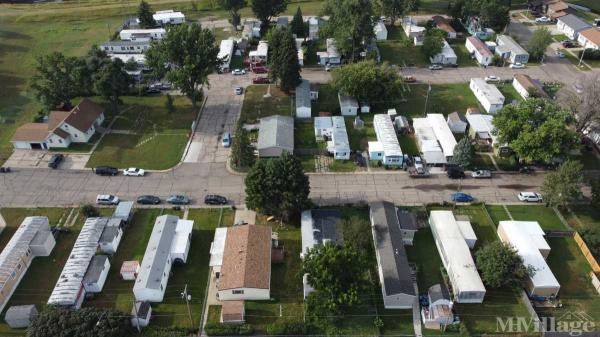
(129, 270)
(457, 122)
(20, 316)
(140, 314)
(348, 105)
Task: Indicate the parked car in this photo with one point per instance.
(226, 141)
(259, 70)
(107, 199)
(410, 78)
(239, 90)
(153, 89)
(530, 197)
(238, 72)
(213, 199)
(178, 200)
(517, 66)
(359, 160)
(455, 172)
(435, 67)
(148, 200)
(106, 171)
(479, 174)
(560, 54)
(526, 169)
(261, 80)
(134, 172)
(492, 78)
(55, 160)
(461, 197)
(568, 44)
(543, 19)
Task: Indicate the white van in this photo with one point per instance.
(107, 199)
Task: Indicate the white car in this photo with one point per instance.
(542, 19)
(530, 197)
(107, 199)
(481, 174)
(435, 67)
(238, 72)
(517, 66)
(134, 172)
(492, 78)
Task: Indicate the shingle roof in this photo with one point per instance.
(31, 132)
(574, 22)
(247, 258)
(303, 94)
(480, 46)
(84, 115)
(443, 24)
(276, 131)
(528, 83)
(592, 34)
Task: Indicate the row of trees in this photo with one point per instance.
(491, 13)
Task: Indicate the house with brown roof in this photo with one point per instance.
(589, 38)
(61, 129)
(525, 86)
(444, 24)
(245, 269)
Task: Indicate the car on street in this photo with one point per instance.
(226, 141)
(153, 89)
(560, 54)
(259, 70)
(481, 174)
(410, 78)
(578, 87)
(213, 199)
(134, 172)
(238, 72)
(148, 200)
(106, 171)
(530, 197)
(177, 199)
(435, 67)
(107, 199)
(261, 80)
(492, 78)
(239, 90)
(517, 66)
(461, 197)
(543, 19)
(55, 160)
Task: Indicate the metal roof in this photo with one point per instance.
(332, 51)
(490, 91)
(123, 210)
(347, 101)
(276, 131)
(109, 234)
(67, 288)
(574, 22)
(428, 144)
(124, 43)
(442, 133)
(386, 135)
(506, 43)
(217, 247)
(303, 94)
(319, 226)
(92, 275)
(157, 252)
(394, 270)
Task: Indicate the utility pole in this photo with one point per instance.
(581, 58)
(137, 318)
(187, 297)
(427, 97)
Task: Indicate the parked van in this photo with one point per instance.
(107, 199)
(106, 171)
(226, 139)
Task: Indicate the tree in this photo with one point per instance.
(350, 23)
(536, 129)
(393, 9)
(55, 82)
(277, 186)
(490, 13)
(368, 82)
(53, 322)
(585, 106)
(433, 42)
(563, 187)
(265, 10)
(186, 56)
(297, 24)
(111, 82)
(463, 153)
(596, 192)
(500, 265)
(169, 104)
(338, 273)
(89, 211)
(242, 152)
(233, 6)
(283, 60)
(354, 233)
(591, 236)
(144, 14)
(538, 43)
(411, 5)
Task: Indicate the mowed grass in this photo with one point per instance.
(304, 135)
(546, 216)
(14, 217)
(256, 106)
(443, 98)
(399, 49)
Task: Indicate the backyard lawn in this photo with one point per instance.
(327, 101)
(443, 98)
(304, 135)
(544, 215)
(256, 105)
(359, 138)
(408, 144)
(399, 50)
(14, 217)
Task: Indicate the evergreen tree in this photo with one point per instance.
(283, 61)
(297, 24)
(463, 153)
(500, 265)
(145, 15)
(242, 152)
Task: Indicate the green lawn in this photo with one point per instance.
(359, 138)
(587, 217)
(497, 213)
(399, 50)
(482, 161)
(463, 56)
(443, 98)
(327, 101)
(408, 144)
(544, 215)
(509, 92)
(14, 217)
(308, 163)
(256, 105)
(342, 166)
(304, 135)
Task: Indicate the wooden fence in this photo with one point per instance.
(595, 281)
(587, 253)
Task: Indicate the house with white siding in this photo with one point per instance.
(387, 148)
(446, 56)
(487, 94)
(348, 105)
(479, 50)
(589, 38)
(168, 17)
(571, 25)
(510, 50)
(151, 34)
(225, 54)
(303, 100)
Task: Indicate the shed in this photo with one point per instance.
(457, 122)
(110, 239)
(140, 314)
(129, 270)
(303, 100)
(124, 211)
(348, 105)
(365, 107)
(96, 274)
(275, 136)
(233, 312)
(20, 316)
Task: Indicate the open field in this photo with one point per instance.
(256, 106)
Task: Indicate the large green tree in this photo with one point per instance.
(242, 152)
(433, 42)
(596, 192)
(277, 186)
(350, 23)
(283, 59)
(463, 153)
(144, 14)
(368, 81)
(500, 265)
(186, 56)
(297, 25)
(85, 322)
(56, 81)
(233, 7)
(563, 186)
(393, 9)
(111, 82)
(536, 129)
(491, 13)
(265, 10)
(539, 42)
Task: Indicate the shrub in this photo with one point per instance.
(286, 328)
(590, 54)
(89, 211)
(221, 329)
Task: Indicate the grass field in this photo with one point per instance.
(399, 50)
(443, 98)
(544, 215)
(359, 138)
(304, 135)
(256, 106)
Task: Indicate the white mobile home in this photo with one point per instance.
(571, 25)
(510, 50)
(125, 47)
(142, 34)
(429, 146)
(348, 105)
(467, 286)
(380, 31)
(331, 56)
(96, 274)
(442, 133)
(589, 38)
(339, 145)
(446, 56)
(303, 100)
(487, 94)
(386, 148)
(479, 50)
(413, 31)
(527, 238)
(261, 53)
(168, 17)
(225, 54)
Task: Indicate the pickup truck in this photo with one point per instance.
(418, 173)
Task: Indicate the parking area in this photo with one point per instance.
(39, 159)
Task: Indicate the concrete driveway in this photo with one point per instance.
(39, 159)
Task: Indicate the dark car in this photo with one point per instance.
(55, 160)
(106, 171)
(148, 200)
(178, 200)
(259, 70)
(455, 173)
(261, 80)
(568, 44)
(526, 169)
(461, 197)
(213, 199)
